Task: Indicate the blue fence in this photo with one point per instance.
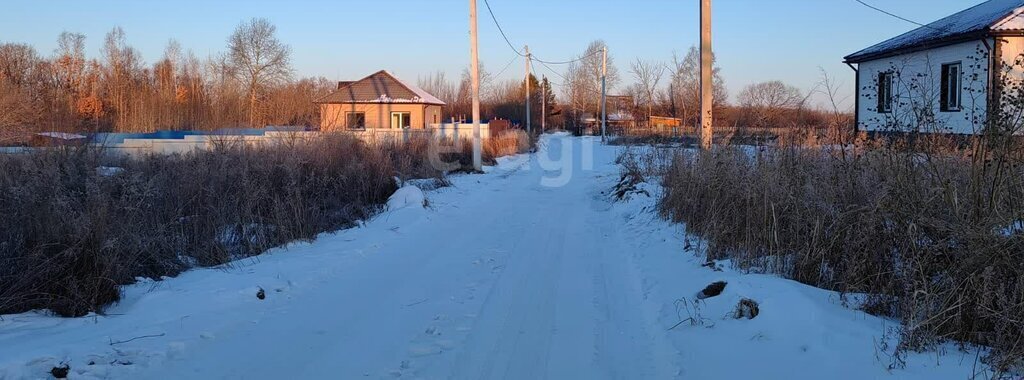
(118, 138)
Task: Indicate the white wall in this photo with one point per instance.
(917, 87)
(370, 135)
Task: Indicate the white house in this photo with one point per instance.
(942, 77)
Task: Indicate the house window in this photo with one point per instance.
(401, 120)
(951, 83)
(885, 92)
(355, 120)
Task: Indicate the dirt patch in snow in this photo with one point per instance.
(747, 309)
(712, 290)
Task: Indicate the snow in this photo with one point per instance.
(422, 96)
(993, 14)
(406, 196)
(528, 271)
(62, 135)
(1017, 227)
(108, 171)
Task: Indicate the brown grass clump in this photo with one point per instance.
(747, 309)
(930, 227)
(72, 230)
(508, 143)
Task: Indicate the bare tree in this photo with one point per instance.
(683, 92)
(17, 103)
(773, 94)
(122, 62)
(831, 89)
(70, 62)
(767, 101)
(118, 92)
(463, 106)
(261, 59)
(438, 85)
(69, 78)
(17, 62)
(583, 79)
(647, 75)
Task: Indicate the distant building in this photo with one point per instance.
(659, 122)
(942, 77)
(379, 101)
(620, 114)
(58, 139)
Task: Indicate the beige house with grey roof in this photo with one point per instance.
(379, 101)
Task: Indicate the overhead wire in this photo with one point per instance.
(896, 15)
(502, 31)
(507, 65)
(520, 53)
(569, 61)
(595, 92)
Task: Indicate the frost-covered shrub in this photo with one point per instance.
(922, 225)
(72, 229)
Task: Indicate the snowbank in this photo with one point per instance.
(801, 332)
(407, 196)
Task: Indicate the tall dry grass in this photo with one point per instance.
(72, 230)
(930, 228)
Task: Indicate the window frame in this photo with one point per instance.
(404, 116)
(348, 120)
(885, 85)
(950, 87)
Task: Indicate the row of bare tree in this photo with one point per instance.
(252, 84)
(657, 89)
(249, 85)
(771, 104)
(499, 99)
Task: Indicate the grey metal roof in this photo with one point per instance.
(992, 15)
(380, 87)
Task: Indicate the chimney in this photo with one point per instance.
(343, 84)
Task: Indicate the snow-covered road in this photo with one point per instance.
(531, 271)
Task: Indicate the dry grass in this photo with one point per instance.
(930, 228)
(71, 234)
(508, 143)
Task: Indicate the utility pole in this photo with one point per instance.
(474, 63)
(543, 104)
(604, 95)
(528, 127)
(706, 76)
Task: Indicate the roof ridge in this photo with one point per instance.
(973, 22)
(350, 83)
(1007, 18)
(418, 95)
(420, 92)
(400, 82)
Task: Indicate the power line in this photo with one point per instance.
(568, 61)
(507, 65)
(552, 70)
(510, 45)
(895, 15)
(595, 92)
(519, 53)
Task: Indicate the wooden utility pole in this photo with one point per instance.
(706, 76)
(543, 104)
(604, 95)
(529, 129)
(474, 63)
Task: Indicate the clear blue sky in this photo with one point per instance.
(755, 40)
